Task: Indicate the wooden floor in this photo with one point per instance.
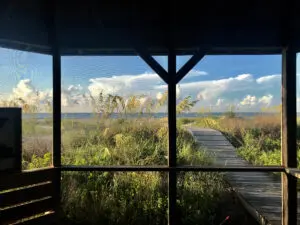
(260, 192)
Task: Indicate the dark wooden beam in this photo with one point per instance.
(293, 172)
(56, 63)
(47, 219)
(189, 65)
(288, 136)
(152, 63)
(56, 158)
(20, 196)
(10, 181)
(172, 137)
(177, 168)
(12, 214)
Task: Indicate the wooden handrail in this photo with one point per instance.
(26, 178)
(177, 168)
(293, 171)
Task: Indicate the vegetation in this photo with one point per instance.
(133, 197)
(128, 197)
(257, 139)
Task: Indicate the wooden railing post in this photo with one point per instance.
(288, 136)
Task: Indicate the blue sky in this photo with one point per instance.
(249, 82)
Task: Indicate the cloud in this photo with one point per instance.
(124, 85)
(220, 101)
(24, 89)
(73, 96)
(266, 100)
(209, 90)
(150, 84)
(253, 100)
(196, 73)
(248, 100)
(29, 94)
(74, 88)
(269, 79)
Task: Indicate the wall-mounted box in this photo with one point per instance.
(10, 139)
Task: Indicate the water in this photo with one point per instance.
(134, 115)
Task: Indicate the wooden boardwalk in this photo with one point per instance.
(259, 192)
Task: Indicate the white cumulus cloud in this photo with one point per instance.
(196, 73)
(124, 84)
(26, 91)
(248, 100)
(266, 100)
(29, 94)
(209, 90)
(151, 85)
(268, 79)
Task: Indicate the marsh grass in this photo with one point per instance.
(128, 197)
(257, 139)
(131, 197)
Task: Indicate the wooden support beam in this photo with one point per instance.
(21, 196)
(293, 172)
(188, 66)
(26, 178)
(177, 168)
(152, 63)
(288, 136)
(13, 214)
(172, 137)
(56, 63)
(56, 158)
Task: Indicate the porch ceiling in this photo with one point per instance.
(112, 27)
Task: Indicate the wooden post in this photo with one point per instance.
(172, 136)
(56, 63)
(56, 159)
(288, 136)
(146, 56)
(189, 65)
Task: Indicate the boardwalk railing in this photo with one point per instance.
(27, 197)
(293, 172)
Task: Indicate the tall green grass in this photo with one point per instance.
(257, 139)
(133, 197)
(129, 197)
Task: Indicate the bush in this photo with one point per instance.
(133, 197)
(257, 139)
(184, 121)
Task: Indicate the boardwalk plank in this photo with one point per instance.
(261, 191)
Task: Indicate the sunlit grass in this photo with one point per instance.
(132, 198)
(257, 139)
(127, 197)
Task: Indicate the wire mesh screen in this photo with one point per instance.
(114, 126)
(114, 112)
(26, 82)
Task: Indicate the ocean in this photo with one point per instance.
(134, 115)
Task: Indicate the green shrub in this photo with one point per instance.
(132, 197)
(40, 162)
(183, 121)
